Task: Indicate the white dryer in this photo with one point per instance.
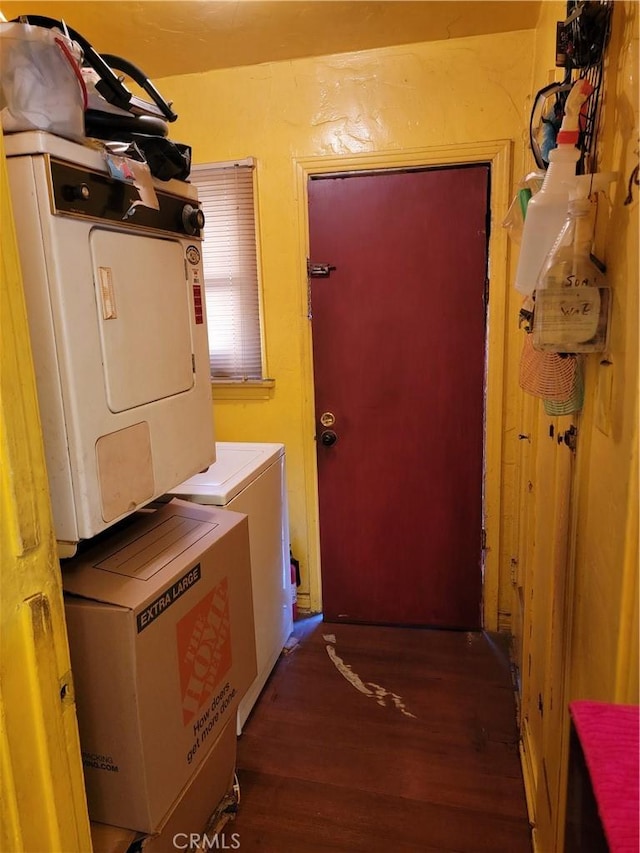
(250, 478)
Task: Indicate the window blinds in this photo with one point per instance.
(230, 262)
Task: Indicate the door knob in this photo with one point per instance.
(328, 437)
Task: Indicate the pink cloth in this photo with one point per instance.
(608, 735)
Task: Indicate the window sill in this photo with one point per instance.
(253, 390)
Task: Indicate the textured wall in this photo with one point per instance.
(387, 100)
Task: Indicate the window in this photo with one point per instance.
(230, 261)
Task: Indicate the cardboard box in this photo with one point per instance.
(160, 624)
(189, 817)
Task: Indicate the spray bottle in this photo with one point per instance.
(572, 297)
(547, 210)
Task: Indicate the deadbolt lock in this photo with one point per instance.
(327, 419)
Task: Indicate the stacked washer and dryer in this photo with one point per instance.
(113, 287)
(250, 478)
(120, 371)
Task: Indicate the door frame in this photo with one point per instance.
(497, 154)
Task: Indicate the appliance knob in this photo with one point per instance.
(192, 219)
(77, 192)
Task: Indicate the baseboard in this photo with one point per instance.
(304, 603)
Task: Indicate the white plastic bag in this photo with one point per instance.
(41, 87)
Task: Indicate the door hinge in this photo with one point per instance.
(569, 437)
(319, 270)
(513, 570)
(485, 294)
(483, 539)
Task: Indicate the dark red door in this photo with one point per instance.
(399, 351)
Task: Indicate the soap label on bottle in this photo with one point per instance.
(569, 319)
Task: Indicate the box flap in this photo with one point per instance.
(133, 565)
(111, 839)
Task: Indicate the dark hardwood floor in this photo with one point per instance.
(383, 739)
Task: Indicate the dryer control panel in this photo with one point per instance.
(76, 191)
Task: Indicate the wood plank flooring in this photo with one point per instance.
(383, 739)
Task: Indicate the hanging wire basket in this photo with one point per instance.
(583, 38)
(585, 32)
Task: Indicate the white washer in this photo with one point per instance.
(250, 478)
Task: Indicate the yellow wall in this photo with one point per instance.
(42, 805)
(383, 101)
(576, 614)
(379, 102)
(604, 648)
(607, 556)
